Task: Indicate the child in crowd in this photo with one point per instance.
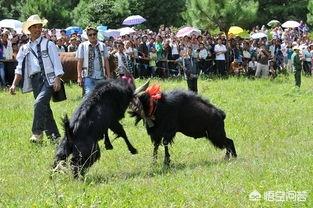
(152, 61)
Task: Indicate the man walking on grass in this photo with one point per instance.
(40, 68)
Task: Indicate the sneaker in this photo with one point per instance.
(36, 138)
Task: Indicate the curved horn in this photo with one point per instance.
(142, 87)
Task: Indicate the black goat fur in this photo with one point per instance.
(185, 112)
(99, 112)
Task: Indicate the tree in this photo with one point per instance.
(8, 9)
(208, 14)
(281, 10)
(109, 12)
(159, 12)
(310, 13)
(55, 11)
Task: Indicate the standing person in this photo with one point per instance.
(72, 47)
(93, 63)
(220, 60)
(143, 55)
(2, 72)
(263, 57)
(190, 67)
(40, 67)
(297, 66)
(121, 60)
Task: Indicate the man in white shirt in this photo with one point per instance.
(40, 68)
(93, 63)
(220, 60)
(202, 55)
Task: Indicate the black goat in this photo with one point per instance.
(99, 112)
(180, 111)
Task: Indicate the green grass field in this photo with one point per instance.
(270, 122)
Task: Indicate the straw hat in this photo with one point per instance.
(33, 20)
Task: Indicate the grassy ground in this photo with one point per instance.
(270, 122)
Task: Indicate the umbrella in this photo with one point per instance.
(273, 23)
(291, 24)
(134, 20)
(11, 23)
(188, 31)
(235, 30)
(102, 28)
(126, 31)
(112, 33)
(73, 29)
(258, 35)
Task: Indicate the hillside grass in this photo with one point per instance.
(270, 122)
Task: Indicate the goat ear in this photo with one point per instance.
(142, 88)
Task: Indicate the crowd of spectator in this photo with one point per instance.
(157, 53)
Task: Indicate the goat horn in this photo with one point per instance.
(142, 88)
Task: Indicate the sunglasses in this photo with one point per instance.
(92, 34)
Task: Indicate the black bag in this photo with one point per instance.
(58, 96)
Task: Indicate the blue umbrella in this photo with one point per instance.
(102, 28)
(73, 29)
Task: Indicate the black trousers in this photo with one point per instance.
(43, 117)
(221, 67)
(192, 84)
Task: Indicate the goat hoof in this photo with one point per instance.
(227, 157)
(108, 147)
(167, 163)
(133, 151)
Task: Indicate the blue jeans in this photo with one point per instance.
(2, 75)
(90, 84)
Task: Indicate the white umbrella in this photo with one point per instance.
(258, 35)
(291, 24)
(11, 23)
(112, 33)
(273, 23)
(188, 31)
(126, 31)
(134, 20)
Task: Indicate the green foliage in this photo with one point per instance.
(270, 123)
(55, 11)
(159, 12)
(8, 9)
(208, 14)
(109, 12)
(310, 12)
(281, 10)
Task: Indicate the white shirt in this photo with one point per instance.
(203, 53)
(8, 51)
(220, 48)
(33, 63)
(174, 48)
(252, 64)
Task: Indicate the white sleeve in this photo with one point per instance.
(80, 51)
(19, 57)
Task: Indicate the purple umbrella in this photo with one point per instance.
(134, 20)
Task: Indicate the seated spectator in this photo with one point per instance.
(236, 68)
(272, 70)
(252, 67)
